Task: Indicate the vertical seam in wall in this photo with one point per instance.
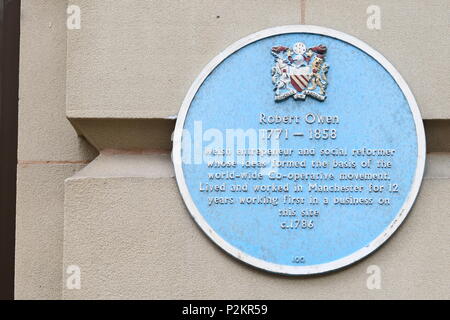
(302, 11)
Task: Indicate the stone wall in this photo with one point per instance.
(96, 186)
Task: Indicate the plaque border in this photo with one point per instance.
(318, 268)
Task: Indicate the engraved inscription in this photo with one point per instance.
(299, 182)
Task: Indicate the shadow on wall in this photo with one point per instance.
(438, 135)
(127, 134)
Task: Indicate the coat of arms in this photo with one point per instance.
(299, 72)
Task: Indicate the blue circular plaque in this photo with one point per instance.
(299, 150)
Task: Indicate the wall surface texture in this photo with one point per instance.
(96, 187)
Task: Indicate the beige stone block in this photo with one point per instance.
(120, 164)
(133, 239)
(413, 37)
(39, 229)
(44, 131)
(137, 59)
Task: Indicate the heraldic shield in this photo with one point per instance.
(299, 72)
